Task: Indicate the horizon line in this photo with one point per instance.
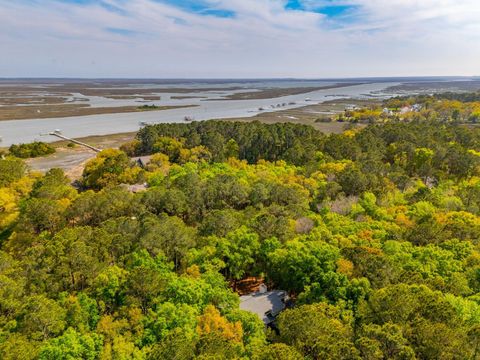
(240, 78)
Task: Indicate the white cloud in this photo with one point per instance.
(378, 38)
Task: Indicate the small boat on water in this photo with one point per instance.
(188, 118)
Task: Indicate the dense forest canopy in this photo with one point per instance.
(374, 233)
(224, 139)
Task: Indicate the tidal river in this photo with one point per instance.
(24, 131)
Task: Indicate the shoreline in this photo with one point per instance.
(66, 111)
(28, 130)
(274, 93)
(29, 110)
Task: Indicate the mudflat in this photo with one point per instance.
(279, 92)
(21, 112)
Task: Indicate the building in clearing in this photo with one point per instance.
(136, 188)
(266, 304)
(142, 161)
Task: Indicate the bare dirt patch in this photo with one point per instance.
(73, 160)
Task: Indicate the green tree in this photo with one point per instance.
(277, 351)
(318, 331)
(42, 215)
(109, 286)
(31, 150)
(301, 263)
(106, 169)
(238, 250)
(17, 347)
(220, 222)
(82, 311)
(71, 258)
(167, 235)
(11, 169)
(352, 181)
(428, 321)
(384, 342)
(44, 318)
(147, 278)
(231, 149)
(72, 345)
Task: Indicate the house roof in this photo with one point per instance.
(271, 302)
(144, 160)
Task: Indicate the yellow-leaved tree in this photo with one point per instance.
(8, 208)
(212, 323)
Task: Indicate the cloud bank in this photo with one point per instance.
(238, 38)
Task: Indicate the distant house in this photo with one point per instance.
(405, 109)
(142, 161)
(387, 111)
(417, 107)
(266, 304)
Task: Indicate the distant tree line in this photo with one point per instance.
(31, 150)
(249, 141)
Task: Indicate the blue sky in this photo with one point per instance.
(200, 7)
(239, 38)
(331, 8)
